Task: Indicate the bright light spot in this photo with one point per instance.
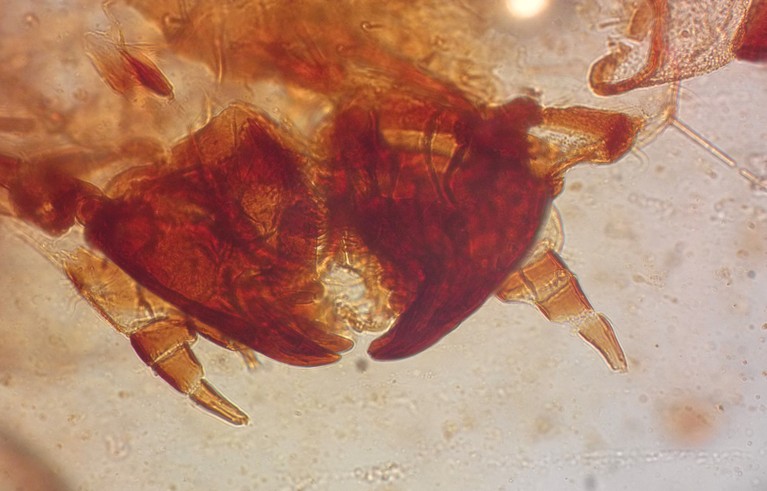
(526, 9)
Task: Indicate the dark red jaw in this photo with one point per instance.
(446, 229)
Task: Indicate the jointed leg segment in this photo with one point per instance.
(548, 284)
(162, 337)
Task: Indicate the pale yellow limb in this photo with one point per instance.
(161, 335)
(548, 284)
(166, 346)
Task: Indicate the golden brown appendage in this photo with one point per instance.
(160, 334)
(547, 283)
(544, 280)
